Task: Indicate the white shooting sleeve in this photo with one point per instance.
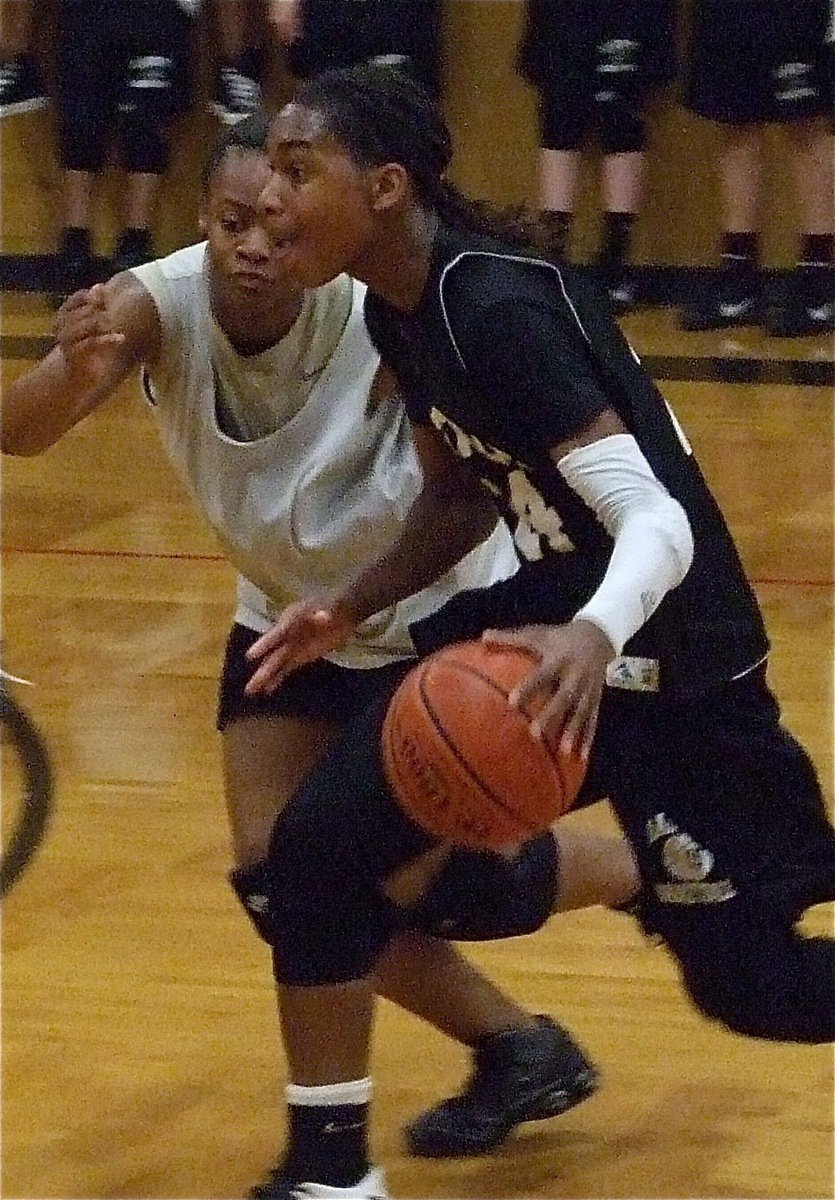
(653, 544)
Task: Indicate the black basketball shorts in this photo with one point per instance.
(319, 691)
(718, 800)
(754, 61)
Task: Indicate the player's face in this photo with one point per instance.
(317, 203)
(245, 261)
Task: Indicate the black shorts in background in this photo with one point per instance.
(753, 61)
(320, 691)
(342, 33)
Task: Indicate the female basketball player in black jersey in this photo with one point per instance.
(651, 646)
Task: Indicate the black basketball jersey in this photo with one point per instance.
(508, 355)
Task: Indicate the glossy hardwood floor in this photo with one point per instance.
(140, 1057)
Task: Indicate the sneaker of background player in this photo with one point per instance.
(133, 248)
(802, 304)
(75, 267)
(519, 1075)
(623, 292)
(732, 300)
(21, 88)
(281, 1186)
(236, 96)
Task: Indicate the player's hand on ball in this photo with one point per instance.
(304, 632)
(569, 679)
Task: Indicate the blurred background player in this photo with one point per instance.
(121, 82)
(322, 34)
(753, 63)
(595, 66)
(21, 85)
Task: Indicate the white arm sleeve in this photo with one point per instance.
(653, 544)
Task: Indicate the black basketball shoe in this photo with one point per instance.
(519, 1075)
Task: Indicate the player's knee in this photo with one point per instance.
(324, 927)
(329, 919)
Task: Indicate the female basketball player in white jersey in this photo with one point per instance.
(298, 453)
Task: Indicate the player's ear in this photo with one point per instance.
(389, 186)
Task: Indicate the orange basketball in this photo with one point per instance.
(464, 764)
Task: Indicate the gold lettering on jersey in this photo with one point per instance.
(536, 523)
(695, 893)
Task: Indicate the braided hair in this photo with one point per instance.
(380, 114)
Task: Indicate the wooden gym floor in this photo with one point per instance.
(140, 1055)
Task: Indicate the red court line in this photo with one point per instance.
(70, 553)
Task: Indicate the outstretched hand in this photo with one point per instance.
(305, 631)
(86, 334)
(569, 678)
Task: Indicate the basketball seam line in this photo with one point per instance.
(467, 769)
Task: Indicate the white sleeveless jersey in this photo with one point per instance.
(301, 507)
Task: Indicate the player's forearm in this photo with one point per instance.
(439, 532)
(42, 405)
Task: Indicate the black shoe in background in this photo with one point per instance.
(802, 304)
(734, 299)
(526, 1074)
(75, 267)
(133, 248)
(618, 281)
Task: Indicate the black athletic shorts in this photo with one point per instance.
(320, 691)
(719, 801)
(341, 33)
(594, 66)
(96, 41)
(753, 61)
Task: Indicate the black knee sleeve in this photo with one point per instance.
(329, 922)
(340, 836)
(480, 896)
(322, 929)
(146, 109)
(251, 884)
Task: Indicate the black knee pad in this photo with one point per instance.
(480, 896)
(329, 921)
(146, 109)
(252, 887)
(338, 839)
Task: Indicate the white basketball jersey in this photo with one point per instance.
(299, 508)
